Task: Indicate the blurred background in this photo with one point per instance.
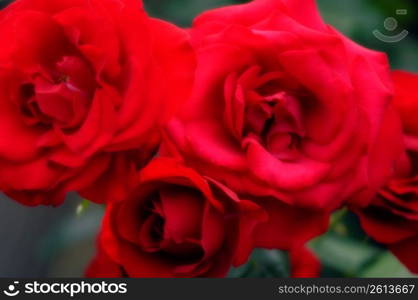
(59, 242)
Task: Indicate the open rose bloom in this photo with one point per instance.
(83, 95)
(285, 106)
(259, 127)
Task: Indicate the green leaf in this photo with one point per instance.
(344, 254)
(386, 265)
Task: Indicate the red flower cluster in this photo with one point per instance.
(246, 131)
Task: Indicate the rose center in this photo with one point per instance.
(276, 121)
(167, 232)
(59, 96)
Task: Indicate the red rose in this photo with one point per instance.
(175, 224)
(392, 218)
(286, 107)
(84, 86)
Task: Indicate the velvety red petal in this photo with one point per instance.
(406, 251)
(304, 263)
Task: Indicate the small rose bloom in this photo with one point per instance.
(392, 218)
(176, 223)
(84, 87)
